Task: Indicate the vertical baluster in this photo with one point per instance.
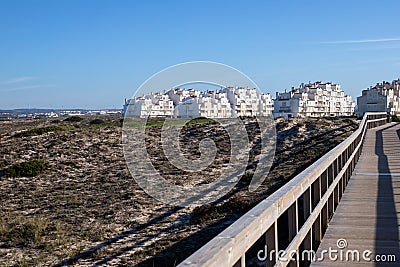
(271, 242)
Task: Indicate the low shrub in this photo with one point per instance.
(395, 118)
(247, 176)
(96, 121)
(201, 120)
(202, 214)
(74, 119)
(27, 169)
(55, 121)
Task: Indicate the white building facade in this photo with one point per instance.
(314, 100)
(209, 104)
(249, 101)
(383, 97)
(153, 105)
(191, 103)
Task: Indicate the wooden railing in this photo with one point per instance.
(294, 218)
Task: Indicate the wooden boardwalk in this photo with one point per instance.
(368, 215)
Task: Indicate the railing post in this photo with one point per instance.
(292, 220)
(337, 189)
(330, 175)
(306, 246)
(324, 182)
(324, 219)
(317, 232)
(272, 244)
(330, 206)
(306, 204)
(349, 172)
(344, 159)
(311, 208)
(315, 193)
(276, 241)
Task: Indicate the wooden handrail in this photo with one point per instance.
(320, 187)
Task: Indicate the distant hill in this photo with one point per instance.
(32, 110)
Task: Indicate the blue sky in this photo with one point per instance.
(93, 54)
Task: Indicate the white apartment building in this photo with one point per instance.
(314, 100)
(153, 105)
(209, 104)
(224, 103)
(249, 101)
(266, 105)
(383, 97)
(178, 95)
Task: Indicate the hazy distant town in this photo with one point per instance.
(54, 113)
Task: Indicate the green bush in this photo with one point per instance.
(200, 120)
(74, 119)
(205, 213)
(27, 169)
(96, 121)
(395, 118)
(247, 176)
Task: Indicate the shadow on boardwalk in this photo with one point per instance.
(386, 221)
